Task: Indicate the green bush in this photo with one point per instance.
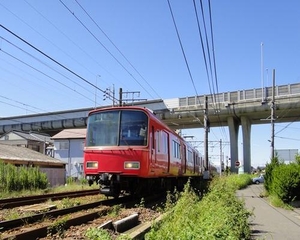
(269, 173)
(286, 182)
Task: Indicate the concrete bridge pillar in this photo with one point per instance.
(246, 128)
(233, 125)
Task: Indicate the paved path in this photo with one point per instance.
(269, 222)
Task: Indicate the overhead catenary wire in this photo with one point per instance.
(42, 62)
(20, 73)
(212, 73)
(109, 39)
(44, 74)
(109, 52)
(181, 47)
(209, 76)
(52, 59)
(75, 44)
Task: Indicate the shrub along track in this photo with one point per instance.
(28, 200)
(68, 218)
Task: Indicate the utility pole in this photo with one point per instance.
(206, 130)
(273, 116)
(221, 157)
(262, 73)
(197, 143)
(120, 96)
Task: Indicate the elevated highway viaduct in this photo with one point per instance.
(231, 109)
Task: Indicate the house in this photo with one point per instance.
(22, 156)
(36, 141)
(68, 147)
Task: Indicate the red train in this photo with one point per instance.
(129, 149)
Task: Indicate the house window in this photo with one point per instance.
(64, 145)
(81, 167)
(34, 147)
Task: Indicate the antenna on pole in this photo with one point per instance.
(263, 99)
(273, 116)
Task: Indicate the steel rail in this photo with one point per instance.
(22, 201)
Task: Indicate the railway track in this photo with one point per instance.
(25, 228)
(28, 200)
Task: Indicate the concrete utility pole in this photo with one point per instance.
(206, 130)
(212, 144)
(221, 157)
(120, 96)
(262, 72)
(273, 116)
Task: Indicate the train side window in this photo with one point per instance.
(176, 149)
(190, 156)
(164, 142)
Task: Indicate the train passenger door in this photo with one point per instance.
(168, 151)
(152, 146)
(183, 159)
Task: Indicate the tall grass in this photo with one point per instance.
(218, 215)
(21, 178)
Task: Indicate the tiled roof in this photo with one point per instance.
(8, 152)
(25, 135)
(77, 133)
(33, 136)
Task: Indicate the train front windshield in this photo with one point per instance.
(117, 128)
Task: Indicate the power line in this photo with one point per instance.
(46, 65)
(212, 74)
(43, 73)
(116, 47)
(295, 139)
(181, 46)
(69, 39)
(103, 46)
(52, 59)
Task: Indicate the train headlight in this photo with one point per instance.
(132, 165)
(92, 165)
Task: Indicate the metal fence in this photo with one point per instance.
(243, 95)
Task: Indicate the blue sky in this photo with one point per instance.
(142, 53)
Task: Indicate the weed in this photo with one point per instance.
(97, 234)
(12, 214)
(218, 215)
(141, 204)
(115, 210)
(67, 202)
(57, 227)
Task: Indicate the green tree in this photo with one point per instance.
(269, 173)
